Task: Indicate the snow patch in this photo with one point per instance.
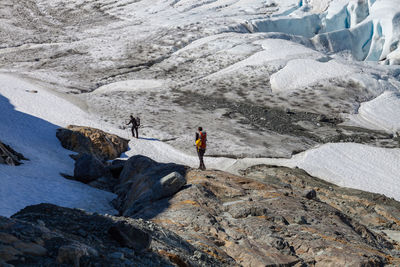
(300, 73)
(353, 165)
(129, 85)
(381, 113)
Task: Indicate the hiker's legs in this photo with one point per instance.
(133, 132)
(200, 153)
(137, 134)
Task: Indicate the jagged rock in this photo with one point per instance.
(169, 184)
(116, 167)
(370, 209)
(92, 141)
(8, 253)
(143, 180)
(300, 220)
(60, 243)
(9, 156)
(258, 224)
(71, 253)
(117, 255)
(129, 236)
(105, 183)
(88, 168)
(312, 194)
(242, 210)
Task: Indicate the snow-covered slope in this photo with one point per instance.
(29, 121)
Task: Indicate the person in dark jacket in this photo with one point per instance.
(135, 125)
(201, 144)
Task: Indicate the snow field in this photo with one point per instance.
(30, 116)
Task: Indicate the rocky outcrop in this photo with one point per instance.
(143, 180)
(372, 210)
(9, 156)
(92, 141)
(88, 168)
(270, 216)
(258, 222)
(48, 235)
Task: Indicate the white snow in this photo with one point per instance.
(130, 85)
(273, 54)
(353, 165)
(381, 113)
(30, 115)
(28, 124)
(300, 73)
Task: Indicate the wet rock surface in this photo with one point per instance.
(93, 141)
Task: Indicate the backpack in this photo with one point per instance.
(201, 143)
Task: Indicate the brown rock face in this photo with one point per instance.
(261, 223)
(92, 141)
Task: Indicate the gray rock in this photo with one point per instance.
(169, 185)
(129, 236)
(116, 167)
(70, 254)
(242, 210)
(311, 194)
(143, 180)
(100, 248)
(117, 255)
(300, 220)
(88, 168)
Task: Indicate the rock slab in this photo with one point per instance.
(143, 180)
(92, 141)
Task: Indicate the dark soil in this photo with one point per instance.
(321, 129)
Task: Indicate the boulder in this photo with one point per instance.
(129, 236)
(169, 185)
(71, 253)
(92, 141)
(116, 167)
(143, 180)
(88, 168)
(311, 194)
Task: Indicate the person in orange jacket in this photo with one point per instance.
(201, 145)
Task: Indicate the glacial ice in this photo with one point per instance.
(370, 30)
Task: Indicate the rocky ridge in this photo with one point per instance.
(172, 215)
(47, 235)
